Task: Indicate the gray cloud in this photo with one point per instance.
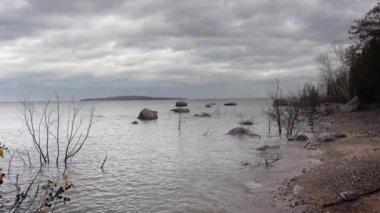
(165, 47)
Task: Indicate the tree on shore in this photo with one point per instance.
(354, 70)
(335, 72)
(365, 64)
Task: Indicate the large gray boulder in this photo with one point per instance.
(330, 136)
(352, 105)
(147, 114)
(181, 104)
(181, 110)
(240, 131)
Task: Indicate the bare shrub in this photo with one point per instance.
(290, 116)
(275, 93)
(45, 126)
(310, 101)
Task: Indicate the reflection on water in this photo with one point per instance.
(153, 167)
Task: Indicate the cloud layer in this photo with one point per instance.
(198, 48)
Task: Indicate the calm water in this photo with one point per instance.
(153, 167)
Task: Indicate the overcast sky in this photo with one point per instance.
(192, 49)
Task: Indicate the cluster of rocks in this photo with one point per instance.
(148, 114)
(180, 107)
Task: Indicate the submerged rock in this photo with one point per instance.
(245, 123)
(240, 131)
(230, 104)
(181, 110)
(181, 104)
(203, 115)
(147, 114)
(330, 136)
(134, 122)
(265, 147)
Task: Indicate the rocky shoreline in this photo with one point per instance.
(337, 175)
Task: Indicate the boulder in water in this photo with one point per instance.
(230, 104)
(147, 114)
(134, 122)
(181, 104)
(240, 131)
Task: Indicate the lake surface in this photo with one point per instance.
(152, 166)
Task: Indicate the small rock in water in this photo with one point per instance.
(265, 147)
(246, 163)
(230, 104)
(253, 186)
(134, 122)
(181, 110)
(203, 114)
(181, 104)
(246, 123)
(240, 131)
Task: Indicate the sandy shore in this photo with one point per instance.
(323, 180)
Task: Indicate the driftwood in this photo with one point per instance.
(350, 199)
